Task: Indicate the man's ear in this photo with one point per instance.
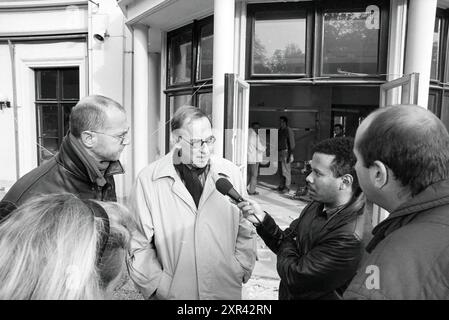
(346, 181)
(378, 173)
(88, 139)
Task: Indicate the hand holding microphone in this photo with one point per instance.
(250, 208)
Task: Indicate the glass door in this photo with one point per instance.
(403, 90)
(236, 121)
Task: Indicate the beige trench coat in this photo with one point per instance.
(182, 252)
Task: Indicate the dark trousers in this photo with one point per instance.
(284, 169)
(253, 172)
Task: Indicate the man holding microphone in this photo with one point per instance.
(318, 254)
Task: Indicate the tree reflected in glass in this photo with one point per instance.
(279, 46)
(349, 46)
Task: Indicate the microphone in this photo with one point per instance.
(226, 188)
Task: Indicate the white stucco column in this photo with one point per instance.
(418, 50)
(223, 63)
(140, 99)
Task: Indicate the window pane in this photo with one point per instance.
(279, 46)
(434, 103)
(48, 148)
(178, 101)
(48, 119)
(435, 50)
(206, 51)
(205, 103)
(46, 84)
(67, 108)
(175, 102)
(180, 58)
(70, 84)
(348, 44)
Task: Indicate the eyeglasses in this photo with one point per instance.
(121, 137)
(198, 143)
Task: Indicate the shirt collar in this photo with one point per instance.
(166, 168)
(330, 212)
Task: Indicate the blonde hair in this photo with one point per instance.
(49, 248)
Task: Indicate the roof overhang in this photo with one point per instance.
(165, 14)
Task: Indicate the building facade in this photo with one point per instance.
(51, 54)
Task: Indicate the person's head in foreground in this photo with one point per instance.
(333, 180)
(192, 135)
(60, 247)
(400, 151)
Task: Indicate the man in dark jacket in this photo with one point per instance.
(318, 254)
(402, 164)
(87, 159)
(286, 147)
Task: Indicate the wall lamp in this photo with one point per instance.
(4, 101)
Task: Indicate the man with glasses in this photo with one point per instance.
(193, 243)
(87, 159)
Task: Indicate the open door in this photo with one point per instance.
(403, 90)
(236, 111)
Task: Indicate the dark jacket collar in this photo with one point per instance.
(343, 215)
(75, 158)
(433, 196)
(347, 212)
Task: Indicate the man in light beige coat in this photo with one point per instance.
(193, 243)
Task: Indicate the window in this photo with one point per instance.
(278, 45)
(434, 74)
(322, 38)
(353, 39)
(348, 44)
(190, 67)
(57, 91)
(205, 52)
(439, 70)
(180, 57)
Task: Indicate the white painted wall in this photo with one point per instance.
(65, 19)
(28, 57)
(7, 152)
(30, 18)
(110, 68)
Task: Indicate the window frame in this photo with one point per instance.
(314, 36)
(195, 29)
(198, 25)
(349, 6)
(443, 56)
(171, 35)
(278, 9)
(439, 88)
(60, 102)
(195, 86)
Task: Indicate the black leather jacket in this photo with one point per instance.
(68, 171)
(317, 264)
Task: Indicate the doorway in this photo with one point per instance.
(349, 117)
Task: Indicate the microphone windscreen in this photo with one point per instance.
(223, 186)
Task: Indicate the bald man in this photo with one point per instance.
(87, 160)
(403, 166)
